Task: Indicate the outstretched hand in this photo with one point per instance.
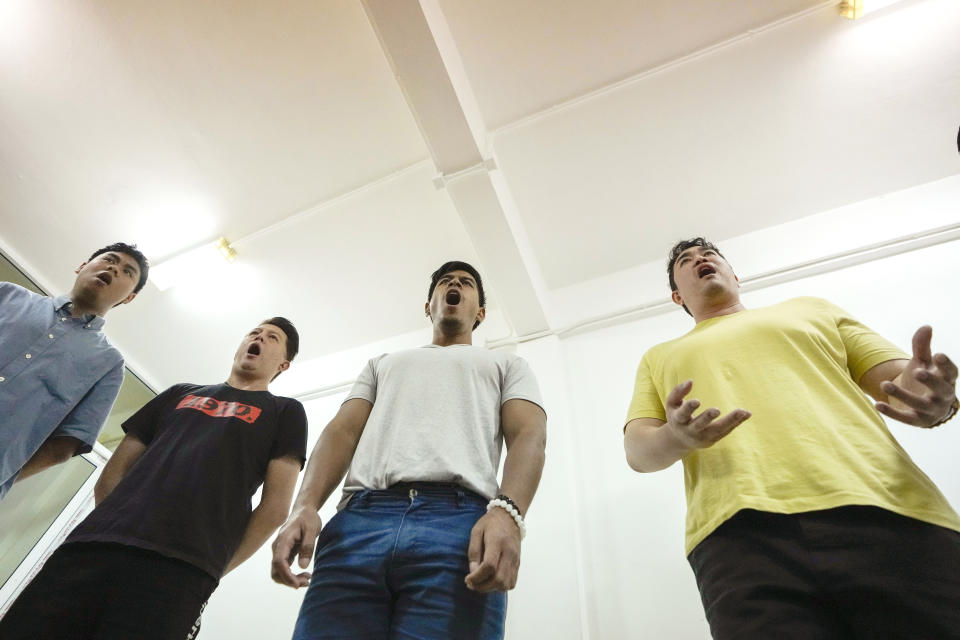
(703, 430)
(924, 392)
(297, 537)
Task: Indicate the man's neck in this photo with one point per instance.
(79, 308)
(441, 339)
(715, 311)
(245, 383)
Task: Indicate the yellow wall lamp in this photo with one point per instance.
(854, 9)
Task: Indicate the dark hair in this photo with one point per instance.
(457, 265)
(132, 251)
(679, 248)
(293, 338)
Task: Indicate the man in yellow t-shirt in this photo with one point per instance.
(805, 517)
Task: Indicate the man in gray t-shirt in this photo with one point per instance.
(425, 543)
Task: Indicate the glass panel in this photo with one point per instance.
(31, 506)
(133, 394)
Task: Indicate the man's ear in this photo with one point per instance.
(82, 265)
(128, 298)
(426, 308)
(481, 315)
(283, 367)
(675, 296)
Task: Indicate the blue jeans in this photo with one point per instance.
(391, 565)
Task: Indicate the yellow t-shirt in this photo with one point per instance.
(814, 440)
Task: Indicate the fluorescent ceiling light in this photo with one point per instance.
(198, 263)
(854, 9)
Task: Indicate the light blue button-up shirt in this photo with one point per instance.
(59, 376)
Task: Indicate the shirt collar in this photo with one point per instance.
(91, 321)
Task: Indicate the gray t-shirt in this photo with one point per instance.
(436, 416)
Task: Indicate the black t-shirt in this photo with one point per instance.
(189, 495)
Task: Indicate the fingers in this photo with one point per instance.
(295, 538)
(306, 551)
(921, 344)
(283, 550)
(947, 368)
(912, 400)
(907, 416)
(711, 428)
(676, 396)
(685, 412)
(475, 549)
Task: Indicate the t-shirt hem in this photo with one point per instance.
(149, 546)
(948, 521)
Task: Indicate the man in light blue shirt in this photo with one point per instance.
(59, 375)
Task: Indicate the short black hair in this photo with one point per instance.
(457, 265)
(679, 248)
(293, 337)
(132, 251)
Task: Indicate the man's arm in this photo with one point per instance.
(652, 445)
(56, 450)
(278, 487)
(128, 452)
(494, 551)
(920, 391)
(328, 464)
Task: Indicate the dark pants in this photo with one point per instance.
(391, 566)
(851, 572)
(94, 591)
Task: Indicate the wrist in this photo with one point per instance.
(951, 412)
(507, 505)
(674, 441)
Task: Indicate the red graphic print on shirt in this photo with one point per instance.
(221, 408)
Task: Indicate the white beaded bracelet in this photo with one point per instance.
(506, 506)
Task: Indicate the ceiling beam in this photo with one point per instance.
(417, 42)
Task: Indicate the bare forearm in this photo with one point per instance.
(523, 467)
(328, 464)
(651, 448)
(108, 481)
(41, 460)
(262, 524)
(51, 453)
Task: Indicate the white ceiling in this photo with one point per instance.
(284, 128)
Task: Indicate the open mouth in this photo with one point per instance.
(705, 270)
(105, 277)
(253, 349)
(453, 297)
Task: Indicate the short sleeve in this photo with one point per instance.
(366, 385)
(520, 383)
(865, 348)
(291, 438)
(143, 424)
(646, 401)
(87, 418)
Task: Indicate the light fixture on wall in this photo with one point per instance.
(228, 252)
(854, 9)
(197, 262)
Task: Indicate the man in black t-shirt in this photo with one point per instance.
(173, 510)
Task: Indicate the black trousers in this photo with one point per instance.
(95, 591)
(851, 572)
